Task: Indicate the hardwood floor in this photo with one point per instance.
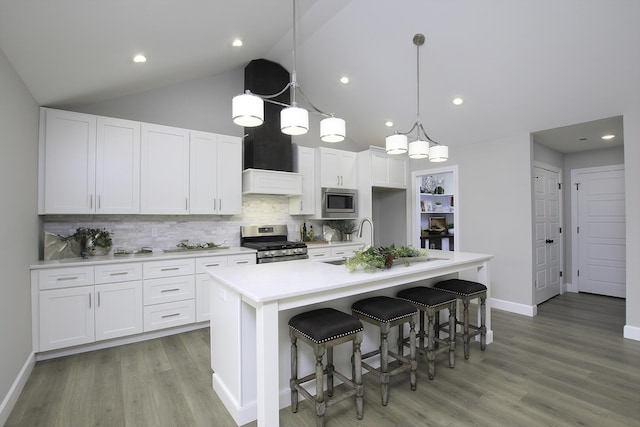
(568, 366)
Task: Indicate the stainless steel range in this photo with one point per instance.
(271, 243)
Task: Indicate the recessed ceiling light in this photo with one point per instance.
(388, 123)
(139, 58)
(457, 101)
(607, 137)
(344, 80)
(237, 43)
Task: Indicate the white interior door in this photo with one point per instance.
(548, 242)
(601, 231)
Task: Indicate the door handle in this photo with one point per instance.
(549, 241)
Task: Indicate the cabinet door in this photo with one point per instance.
(117, 166)
(337, 168)
(203, 173)
(305, 204)
(66, 317)
(164, 170)
(69, 162)
(398, 172)
(203, 283)
(229, 175)
(348, 176)
(118, 309)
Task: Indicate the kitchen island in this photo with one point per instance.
(251, 307)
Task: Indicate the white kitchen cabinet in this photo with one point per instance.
(88, 164)
(164, 170)
(305, 164)
(337, 168)
(66, 317)
(67, 162)
(118, 310)
(117, 166)
(338, 251)
(387, 170)
(215, 174)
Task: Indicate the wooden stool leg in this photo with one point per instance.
(452, 335)
(412, 352)
(431, 357)
(294, 372)
(320, 404)
(357, 379)
(384, 362)
(330, 369)
(465, 331)
(483, 319)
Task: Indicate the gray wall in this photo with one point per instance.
(18, 222)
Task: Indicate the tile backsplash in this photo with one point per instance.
(166, 231)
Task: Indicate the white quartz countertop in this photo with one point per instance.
(262, 283)
(155, 256)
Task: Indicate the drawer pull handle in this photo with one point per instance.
(242, 262)
(318, 255)
(213, 265)
(170, 269)
(67, 278)
(119, 273)
(170, 290)
(170, 315)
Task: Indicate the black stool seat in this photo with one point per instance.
(460, 286)
(426, 296)
(385, 313)
(465, 291)
(324, 329)
(384, 309)
(325, 324)
(430, 302)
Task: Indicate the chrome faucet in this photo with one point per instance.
(361, 227)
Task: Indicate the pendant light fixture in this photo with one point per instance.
(248, 108)
(420, 148)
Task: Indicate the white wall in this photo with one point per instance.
(632, 178)
(18, 225)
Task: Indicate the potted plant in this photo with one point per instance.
(347, 228)
(94, 241)
(450, 228)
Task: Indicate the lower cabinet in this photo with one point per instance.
(345, 251)
(81, 305)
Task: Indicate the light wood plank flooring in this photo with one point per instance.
(568, 366)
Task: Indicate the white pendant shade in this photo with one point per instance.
(439, 153)
(332, 129)
(419, 149)
(247, 110)
(396, 144)
(294, 121)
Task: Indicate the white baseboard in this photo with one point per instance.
(526, 310)
(572, 288)
(11, 398)
(631, 332)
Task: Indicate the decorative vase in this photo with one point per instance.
(346, 237)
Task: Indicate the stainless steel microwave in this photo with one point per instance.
(339, 203)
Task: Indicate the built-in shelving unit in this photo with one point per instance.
(436, 209)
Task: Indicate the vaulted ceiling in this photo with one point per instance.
(521, 66)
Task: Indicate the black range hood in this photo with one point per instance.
(265, 146)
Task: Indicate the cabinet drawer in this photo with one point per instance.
(157, 291)
(65, 277)
(210, 262)
(162, 316)
(247, 259)
(318, 253)
(175, 267)
(114, 273)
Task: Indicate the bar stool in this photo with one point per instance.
(430, 302)
(385, 313)
(323, 329)
(465, 291)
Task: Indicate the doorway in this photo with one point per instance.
(547, 232)
(599, 235)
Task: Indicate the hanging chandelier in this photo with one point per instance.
(248, 108)
(420, 148)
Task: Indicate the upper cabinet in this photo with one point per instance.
(164, 179)
(215, 174)
(100, 165)
(337, 168)
(304, 164)
(67, 162)
(88, 164)
(387, 170)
